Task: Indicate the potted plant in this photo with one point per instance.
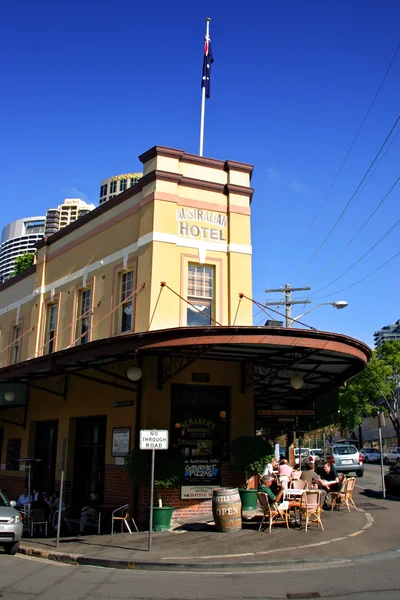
(168, 472)
(250, 454)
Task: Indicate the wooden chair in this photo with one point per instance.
(345, 496)
(273, 514)
(124, 514)
(310, 508)
(298, 484)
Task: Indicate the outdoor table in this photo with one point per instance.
(289, 492)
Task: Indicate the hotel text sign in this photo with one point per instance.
(286, 413)
(201, 224)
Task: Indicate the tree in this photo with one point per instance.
(376, 389)
(23, 262)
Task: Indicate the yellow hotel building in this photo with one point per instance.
(138, 316)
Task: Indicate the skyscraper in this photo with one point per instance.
(115, 185)
(388, 333)
(66, 213)
(17, 238)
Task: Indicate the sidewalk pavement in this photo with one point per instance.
(369, 532)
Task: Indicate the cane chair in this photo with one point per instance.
(296, 475)
(345, 496)
(298, 484)
(310, 508)
(273, 514)
(124, 514)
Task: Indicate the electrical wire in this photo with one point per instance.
(359, 231)
(349, 202)
(351, 145)
(360, 280)
(359, 259)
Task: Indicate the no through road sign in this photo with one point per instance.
(153, 439)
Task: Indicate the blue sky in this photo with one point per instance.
(87, 87)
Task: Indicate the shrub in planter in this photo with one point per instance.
(168, 472)
(250, 454)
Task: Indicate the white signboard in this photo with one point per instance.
(201, 492)
(153, 439)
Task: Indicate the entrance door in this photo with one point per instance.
(44, 472)
(90, 452)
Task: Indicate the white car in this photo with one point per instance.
(10, 525)
(392, 454)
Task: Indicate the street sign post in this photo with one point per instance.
(63, 456)
(153, 439)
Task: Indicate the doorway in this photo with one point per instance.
(44, 471)
(89, 460)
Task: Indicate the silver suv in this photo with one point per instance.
(10, 525)
(346, 458)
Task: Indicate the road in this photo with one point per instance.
(372, 477)
(24, 578)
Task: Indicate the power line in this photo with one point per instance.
(351, 145)
(359, 259)
(361, 228)
(360, 280)
(351, 198)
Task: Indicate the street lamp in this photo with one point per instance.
(338, 304)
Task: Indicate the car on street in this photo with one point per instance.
(10, 525)
(346, 458)
(304, 453)
(391, 455)
(312, 456)
(370, 455)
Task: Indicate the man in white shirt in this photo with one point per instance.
(270, 468)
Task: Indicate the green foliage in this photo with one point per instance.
(375, 389)
(168, 471)
(251, 454)
(23, 262)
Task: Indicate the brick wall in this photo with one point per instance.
(117, 486)
(12, 486)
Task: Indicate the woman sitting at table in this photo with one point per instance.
(285, 472)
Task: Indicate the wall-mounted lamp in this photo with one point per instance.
(134, 373)
(222, 415)
(9, 396)
(297, 382)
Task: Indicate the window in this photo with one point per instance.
(134, 181)
(113, 187)
(51, 328)
(103, 190)
(16, 346)
(84, 316)
(126, 309)
(122, 185)
(200, 294)
(13, 454)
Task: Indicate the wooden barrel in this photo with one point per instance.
(227, 509)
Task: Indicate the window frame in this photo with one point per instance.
(113, 187)
(15, 350)
(53, 340)
(123, 304)
(200, 300)
(84, 337)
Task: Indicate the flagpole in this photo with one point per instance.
(203, 98)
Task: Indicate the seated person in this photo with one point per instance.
(24, 499)
(270, 468)
(265, 486)
(89, 512)
(285, 472)
(313, 480)
(330, 477)
(35, 493)
(41, 504)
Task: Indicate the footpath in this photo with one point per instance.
(369, 533)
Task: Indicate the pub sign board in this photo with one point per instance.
(200, 470)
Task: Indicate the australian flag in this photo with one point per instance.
(208, 60)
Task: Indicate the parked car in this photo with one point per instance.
(370, 455)
(304, 453)
(346, 458)
(10, 525)
(391, 455)
(312, 456)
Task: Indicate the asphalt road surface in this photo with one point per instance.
(372, 477)
(24, 578)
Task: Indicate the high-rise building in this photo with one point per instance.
(17, 238)
(118, 183)
(388, 333)
(66, 213)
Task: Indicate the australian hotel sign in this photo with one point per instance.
(201, 224)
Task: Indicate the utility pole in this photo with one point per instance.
(288, 302)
